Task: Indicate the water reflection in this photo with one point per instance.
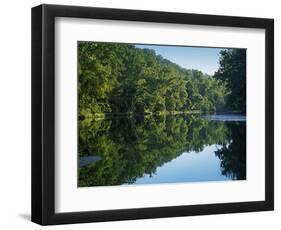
(162, 149)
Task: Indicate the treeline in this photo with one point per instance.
(122, 79)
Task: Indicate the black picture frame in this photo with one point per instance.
(43, 114)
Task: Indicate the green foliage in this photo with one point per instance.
(232, 72)
(116, 80)
(122, 79)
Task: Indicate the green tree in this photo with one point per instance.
(232, 71)
(117, 79)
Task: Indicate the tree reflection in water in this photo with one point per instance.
(128, 148)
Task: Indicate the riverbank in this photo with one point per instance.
(102, 116)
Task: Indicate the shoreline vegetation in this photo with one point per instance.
(103, 116)
(138, 111)
(123, 80)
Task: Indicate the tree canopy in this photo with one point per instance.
(123, 79)
(125, 83)
(232, 71)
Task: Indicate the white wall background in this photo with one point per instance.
(15, 114)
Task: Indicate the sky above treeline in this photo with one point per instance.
(200, 58)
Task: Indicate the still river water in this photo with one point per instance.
(164, 149)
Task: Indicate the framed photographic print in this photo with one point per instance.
(142, 114)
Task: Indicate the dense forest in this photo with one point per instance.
(232, 71)
(116, 79)
(122, 83)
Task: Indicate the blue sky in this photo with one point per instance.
(188, 167)
(201, 58)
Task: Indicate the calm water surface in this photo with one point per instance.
(165, 149)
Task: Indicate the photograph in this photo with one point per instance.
(152, 114)
(140, 114)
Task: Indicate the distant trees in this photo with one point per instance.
(232, 72)
(205, 93)
(120, 78)
(115, 79)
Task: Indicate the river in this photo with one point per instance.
(163, 149)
